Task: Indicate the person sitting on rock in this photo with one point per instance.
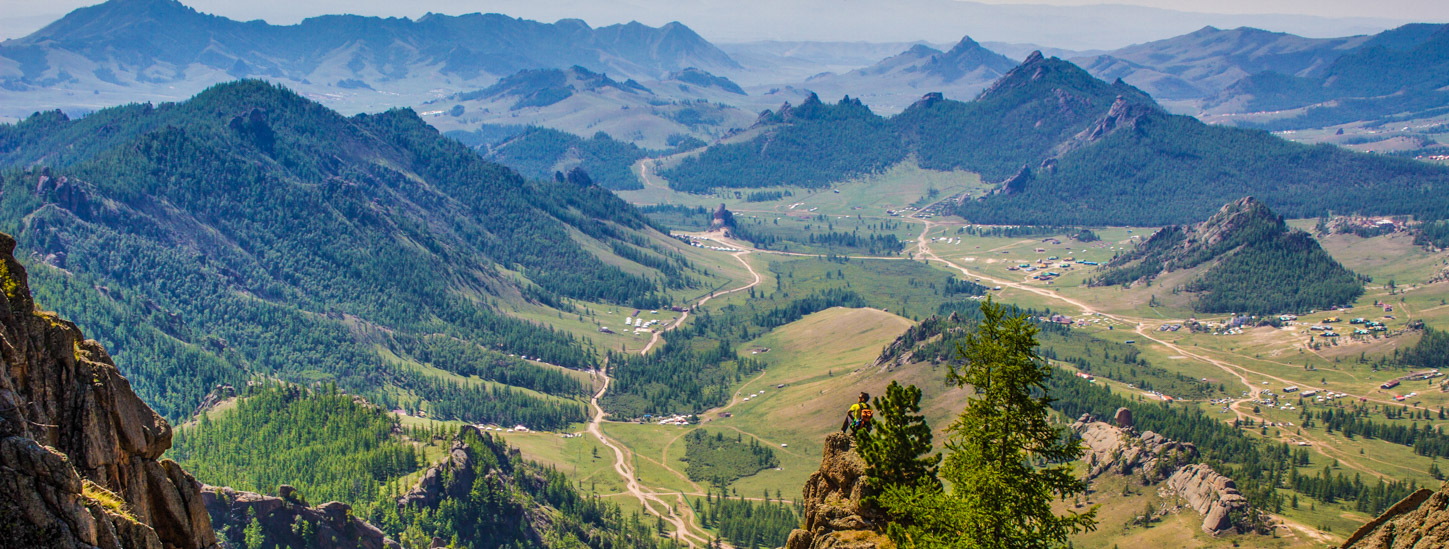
(858, 416)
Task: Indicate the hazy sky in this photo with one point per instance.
(863, 20)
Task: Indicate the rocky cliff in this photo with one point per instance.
(1223, 508)
(80, 453)
(1123, 451)
(1420, 521)
(1154, 458)
(835, 517)
(289, 522)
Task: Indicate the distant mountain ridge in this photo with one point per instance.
(1402, 72)
(895, 82)
(1202, 63)
(127, 47)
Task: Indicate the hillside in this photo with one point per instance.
(1066, 148)
(1400, 73)
(306, 447)
(142, 49)
(1254, 264)
(655, 113)
(251, 232)
(1200, 64)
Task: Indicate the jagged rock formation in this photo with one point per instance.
(1123, 451)
(79, 451)
(1155, 458)
(723, 220)
(835, 517)
(1420, 521)
(1213, 495)
(452, 477)
(329, 526)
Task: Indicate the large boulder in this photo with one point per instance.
(79, 451)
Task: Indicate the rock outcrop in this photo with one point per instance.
(452, 477)
(289, 522)
(723, 220)
(1155, 459)
(1420, 521)
(1125, 452)
(1213, 495)
(80, 453)
(835, 517)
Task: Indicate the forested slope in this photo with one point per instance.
(1255, 264)
(251, 232)
(1075, 150)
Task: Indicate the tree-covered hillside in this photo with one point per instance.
(330, 446)
(816, 144)
(1256, 264)
(251, 232)
(1075, 150)
(542, 153)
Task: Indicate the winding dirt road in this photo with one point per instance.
(684, 523)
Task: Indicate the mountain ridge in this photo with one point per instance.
(379, 205)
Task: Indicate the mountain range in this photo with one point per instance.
(380, 255)
(895, 82)
(1399, 74)
(1205, 62)
(1065, 147)
(689, 103)
(122, 46)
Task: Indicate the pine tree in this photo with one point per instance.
(998, 498)
(897, 451)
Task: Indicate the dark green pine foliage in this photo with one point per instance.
(508, 501)
(326, 444)
(897, 448)
(746, 523)
(722, 460)
(1432, 350)
(249, 231)
(820, 144)
(542, 152)
(1168, 169)
(686, 376)
(1005, 462)
(1090, 152)
(1257, 264)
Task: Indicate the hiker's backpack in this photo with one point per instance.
(865, 416)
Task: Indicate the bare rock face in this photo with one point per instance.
(1213, 495)
(328, 526)
(834, 515)
(1123, 418)
(1420, 521)
(79, 451)
(1123, 451)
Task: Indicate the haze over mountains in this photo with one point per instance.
(153, 50)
